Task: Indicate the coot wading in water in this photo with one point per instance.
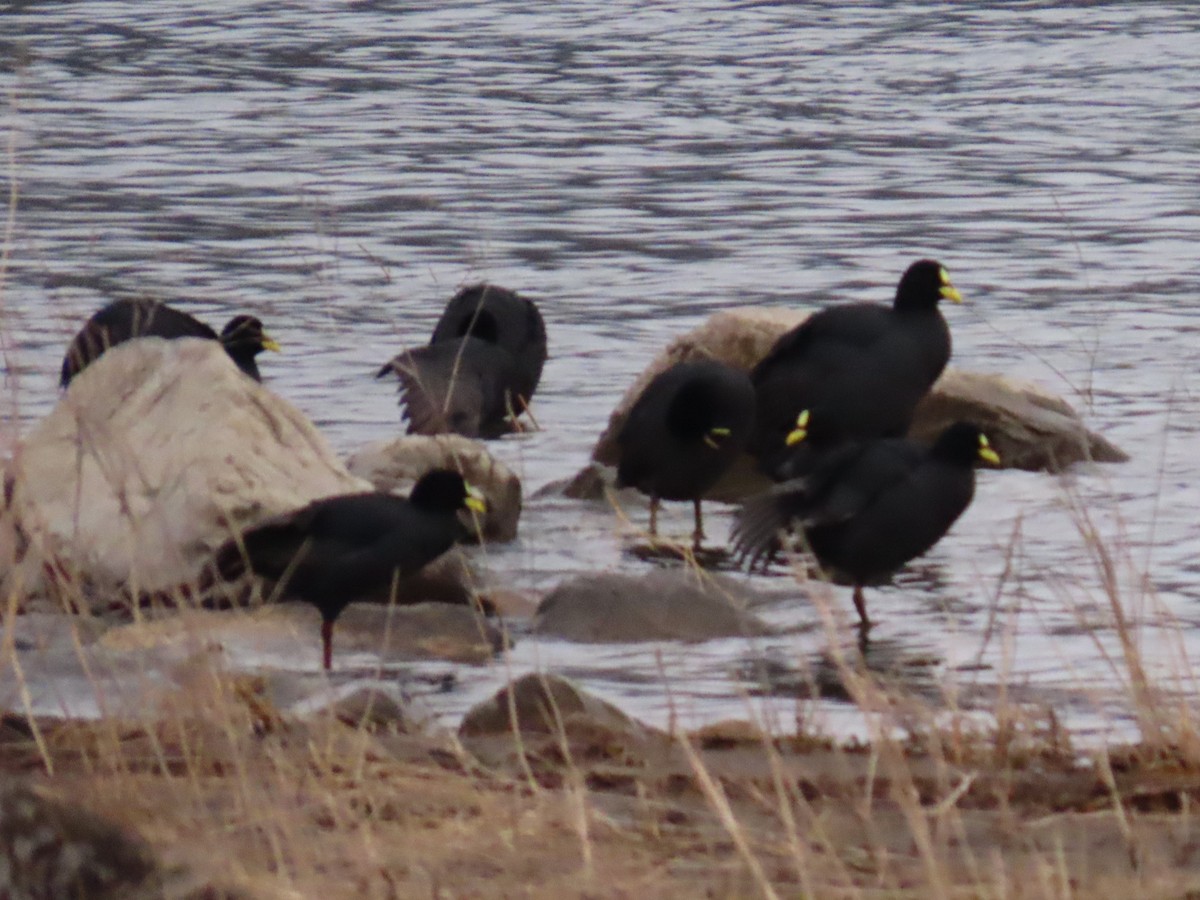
(337, 549)
(869, 507)
(683, 433)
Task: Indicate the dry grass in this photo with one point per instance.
(933, 805)
(221, 784)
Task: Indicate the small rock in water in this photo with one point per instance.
(658, 549)
(664, 605)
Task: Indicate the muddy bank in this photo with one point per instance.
(244, 799)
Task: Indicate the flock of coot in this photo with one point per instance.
(824, 414)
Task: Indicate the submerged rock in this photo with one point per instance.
(421, 631)
(664, 605)
(1030, 427)
(152, 458)
(290, 632)
(396, 464)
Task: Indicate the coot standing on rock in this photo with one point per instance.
(243, 337)
(683, 432)
(868, 508)
(860, 368)
(338, 549)
(480, 369)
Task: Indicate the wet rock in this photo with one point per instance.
(544, 704)
(663, 605)
(545, 725)
(396, 464)
(155, 454)
(1031, 428)
(592, 482)
(422, 631)
(399, 633)
(376, 708)
(1028, 426)
(288, 634)
(509, 604)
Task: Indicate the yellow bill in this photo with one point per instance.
(475, 501)
(949, 291)
(986, 453)
(800, 432)
(715, 436)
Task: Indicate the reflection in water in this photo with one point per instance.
(341, 170)
(891, 665)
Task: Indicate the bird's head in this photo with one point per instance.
(246, 333)
(923, 284)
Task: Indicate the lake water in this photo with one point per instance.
(340, 169)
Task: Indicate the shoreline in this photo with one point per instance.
(225, 789)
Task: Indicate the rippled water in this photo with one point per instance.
(341, 169)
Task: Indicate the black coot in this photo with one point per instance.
(481, 367)
(338, 549)
(683, 432)
(243, 337)
(868, 508)
(859, 368)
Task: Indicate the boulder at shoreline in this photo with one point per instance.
(153, 457)
(1030, 427)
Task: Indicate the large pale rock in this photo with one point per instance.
(1028, 426)
(396, 464)
(1031, 428)
(156, 453)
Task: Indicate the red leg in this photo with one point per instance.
(653, 516)
(864, 621)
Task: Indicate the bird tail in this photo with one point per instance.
(761, 520)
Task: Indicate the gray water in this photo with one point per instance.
(340, 169)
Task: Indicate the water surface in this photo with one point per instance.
(634, 167)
